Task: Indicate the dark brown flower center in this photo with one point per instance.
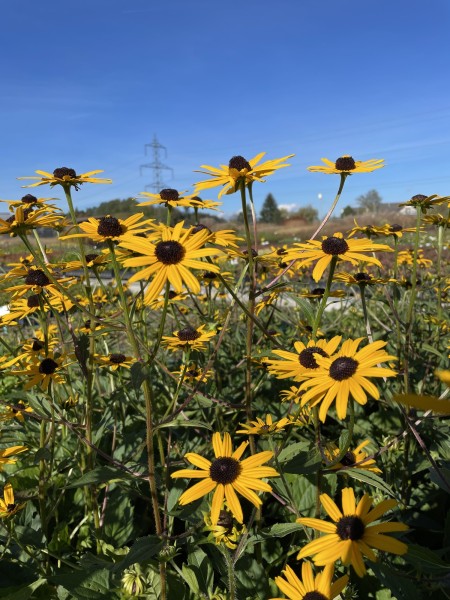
(350, 528)
(281, 251)
(48, 366)
(418, 198)
(117, 359)
(345, 163)
(33, 301)
(254, 252)
(349, 459)
(334, 246)
(37, 345)
(225, 470)
(188, 334)
(362, 277)
(169, 253)
(239, 163)
(109, 227)
(200, 227)
(87, 324)
(395, 227)
(314, 596)
(306, 357)
(10, 507)
(169, 194)
(209, 275)
(91, 257)
(64, 172)
(318, 292)
(225, 520)
(193, 373)
(37, 277)
(172, 294)
(343, 368)
(29, 199)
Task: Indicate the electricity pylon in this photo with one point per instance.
(158, 167)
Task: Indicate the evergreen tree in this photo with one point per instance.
(270, 213)
(370, 202)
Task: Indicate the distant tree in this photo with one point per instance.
(308, 213)
(270, 213)
(348, 211)
(370, 202)
(240, 216)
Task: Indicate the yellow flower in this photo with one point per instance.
(352, 534)
(426, 202)
(361, 278)
(7, 455)
(189, 338)
(239, 169)
(170, 197)
(30, 201)
(114, 360)
(346, 165)
(43, 371)
(345, 374)
(8, 507)
(65, 177)
(170, 259)
(227, 474)
(334, 246)
(310, 588)
(27, 219)
(110, 228)
(225, 532)
(353, 458)
(294, 364)
(260, 427)
(14, 412)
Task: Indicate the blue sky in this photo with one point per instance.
(87, 83)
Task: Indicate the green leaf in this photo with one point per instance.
(401, 587)
(305, 308)
(425, 560)
(191, 579)
(203, 401)
(92, 585)
(183, 423)
(22, 593)
(138, 374)
(141, 551)
(304, 462)
(201, 565)
(367, 477)
(101, 475)
(441, 478)
(290, 451)
(278, 530)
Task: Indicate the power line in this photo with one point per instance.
(157, 166)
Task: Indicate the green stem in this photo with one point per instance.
(326, 293)
(362, 290)
(230, 575)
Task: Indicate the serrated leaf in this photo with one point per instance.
(290, 451)
(93, 585)
(367, 477)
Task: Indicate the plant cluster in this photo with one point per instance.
(186, 414)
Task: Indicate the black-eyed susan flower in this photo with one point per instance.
(294, 364)
(357, 458)
(194, 373)
(221, 237)
(260, 427)
(30, 201)
(346, 165)
(169, 256)
(170, 197)
(360, 278)
(114, 360)
(189, 338)
(239, 169)
(43, 371)
(110, 228)
(345, 374)
(309, 587)
(226, 475)
(335, 246)
(226, 531)
(8, 506)
(426, 202)
(368, 230)
(17, 411)
(406, 257)
(65, 177)
(25, 220)
(8, 455)
(352, 534)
